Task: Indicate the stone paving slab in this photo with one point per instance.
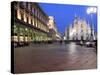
(44, 58)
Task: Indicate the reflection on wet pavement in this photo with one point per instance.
(54, 57)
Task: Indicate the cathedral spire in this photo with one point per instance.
(76, 17)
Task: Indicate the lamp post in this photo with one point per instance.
(91, 11)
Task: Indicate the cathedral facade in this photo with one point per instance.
(79, 30)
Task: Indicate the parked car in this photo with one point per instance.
(90, 44)
(81, 43)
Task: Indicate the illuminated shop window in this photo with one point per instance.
(21, 38)
(15, 38)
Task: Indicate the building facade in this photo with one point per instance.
(29, 23)
(79, 30)
(53, 29)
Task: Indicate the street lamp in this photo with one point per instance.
(91, 10)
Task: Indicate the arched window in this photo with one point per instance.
(22, 15)
(27, 20)
(27, 5)
(31, 21)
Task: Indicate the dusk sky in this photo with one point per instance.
(64, 14)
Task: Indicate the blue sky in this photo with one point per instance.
(64, 14)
